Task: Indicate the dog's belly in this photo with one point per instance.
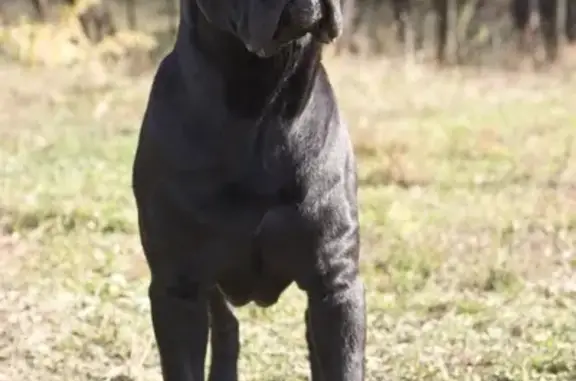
(280, 254)
(258, 288)
(259, 275)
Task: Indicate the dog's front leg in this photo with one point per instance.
(224, 335)
(312, 356)
(336, 325)
(180, 321)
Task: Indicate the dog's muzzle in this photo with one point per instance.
(320, 18)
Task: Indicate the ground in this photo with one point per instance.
(468, 221)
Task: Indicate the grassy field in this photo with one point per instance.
(468, 196)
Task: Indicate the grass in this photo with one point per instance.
(468, 229)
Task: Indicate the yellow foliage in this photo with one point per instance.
(82, 5)
(125, 41)
(42, 43)
(64, 43)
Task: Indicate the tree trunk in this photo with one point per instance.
(441, 11)
(548, 10)
(570, 28)
(95, 18)
(131, 14)
(40, 9)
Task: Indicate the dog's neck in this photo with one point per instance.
(253, 84)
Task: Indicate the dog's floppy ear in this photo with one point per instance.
(217, 12)
(252, 21)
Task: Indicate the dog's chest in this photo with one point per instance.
(260, 163)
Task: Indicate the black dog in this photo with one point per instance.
(245, 181)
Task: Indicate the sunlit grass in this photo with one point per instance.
(468, 222)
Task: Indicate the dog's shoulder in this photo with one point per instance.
(321, 128)
(167, 81)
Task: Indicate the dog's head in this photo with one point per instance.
(264, 26)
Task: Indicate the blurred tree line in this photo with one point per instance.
(448, 31)
(458, 31)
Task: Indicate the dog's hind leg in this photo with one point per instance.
(224, 338)
(180, 321)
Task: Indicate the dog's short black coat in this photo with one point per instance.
(245, 181)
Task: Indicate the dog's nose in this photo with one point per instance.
(298, 18)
